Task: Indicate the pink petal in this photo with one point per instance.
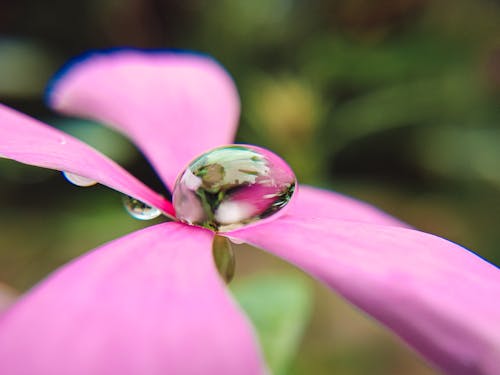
(175, 106)
(313, 202)
(149, 303)
(442, 299)
(29, 141)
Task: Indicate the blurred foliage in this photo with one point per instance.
(107, 141)
(391, 101)
(279, 307)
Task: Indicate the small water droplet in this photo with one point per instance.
(62, 141)
(236, 241)
(78, 180)
(232, 186)
(140, 210)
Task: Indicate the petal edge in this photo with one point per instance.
(174, 106)
(30, 141)
(138, 305)
(312, 202)
(438, 297)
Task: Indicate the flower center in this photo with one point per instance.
(232, 186)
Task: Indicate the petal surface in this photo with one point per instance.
(30, 141)
(174, 106)
(148, 303)
(312, 202)
(440, 298)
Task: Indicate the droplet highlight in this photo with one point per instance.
(232, 186)
(140, 210)
(78, 180)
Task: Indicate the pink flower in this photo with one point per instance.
(153, 303)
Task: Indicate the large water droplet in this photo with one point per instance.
(139, 209)
(78, 180)
(232, 186)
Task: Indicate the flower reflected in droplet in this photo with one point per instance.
(232, 186)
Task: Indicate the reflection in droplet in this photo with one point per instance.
(140, 210)
(78, 180)
(232, 186)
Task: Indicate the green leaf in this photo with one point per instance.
(279, 308)
(461, 153)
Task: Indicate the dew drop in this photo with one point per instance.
(140, 210)
(236, 241)
(232, 186)
(78, 180)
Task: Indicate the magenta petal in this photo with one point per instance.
(311, 202)
(175, 106)
(149, 303)
(29, 141)
(442, 299)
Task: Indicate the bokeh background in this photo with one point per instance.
(395, 102)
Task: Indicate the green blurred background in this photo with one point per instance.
(395, 102)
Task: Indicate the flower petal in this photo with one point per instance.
(175, 106)
(29, 141)
(439, 297)
(313, 202)
(149, 303)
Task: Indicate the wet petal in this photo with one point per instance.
(311, 202)
(148, 303)
(29, 141)
(439, 297)
(175, 106)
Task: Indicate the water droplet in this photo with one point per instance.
(78, 180)
(224, 257)
(232, 186)
(140, 210)
(236, 241)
